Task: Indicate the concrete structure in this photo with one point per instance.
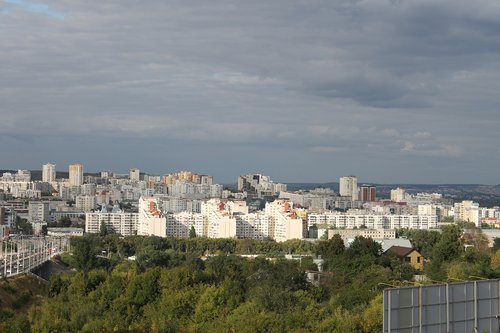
(285, 224)
(368, 193)
(259, 185)
(373, 221)
(467, 211)
(179, 225)
(65, 232)
(367, 233)
(49, 173)
(75, 174)
(220, 222)
(348, 187)
(135, 174)
(86, 203)
(38, 211)
(119, 222)
(398, 195)
(152, 222)
(253, 226)
(188, 176)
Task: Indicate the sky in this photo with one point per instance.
(392, 91)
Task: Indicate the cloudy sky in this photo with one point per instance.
(301, 90)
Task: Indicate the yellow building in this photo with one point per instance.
(409, 255)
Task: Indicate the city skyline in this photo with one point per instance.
(390, 91)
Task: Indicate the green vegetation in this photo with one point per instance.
(203, 285)
(23, 226)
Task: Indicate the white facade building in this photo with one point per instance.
(135, 174)
(76, 174)
(86, 203)
(348, 187)
(125, 224)
(374, 221)
(38, 211)
(152, 222)
(49, 173)
(398, 195)
(179, 225)
(467, 211)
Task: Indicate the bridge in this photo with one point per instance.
(22, 254)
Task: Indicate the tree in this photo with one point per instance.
(23, 226)
(83, 253)
(192, 232)
(364, 246)
(44, 230)
(103, 230)
(331, 247)
(64, 222)
(450, 245)
(423, 240)
(496, 244)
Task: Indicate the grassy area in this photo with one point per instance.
(19, 293)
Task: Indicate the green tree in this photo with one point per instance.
(192, 232)
(364, 246)
(84, 253)
(423, 240)
(103, 230)
(449, 246)
(23, 226)
(496, 244)
(332, 247)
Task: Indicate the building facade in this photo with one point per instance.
(348, 187)
(49, 173)
(75, 174)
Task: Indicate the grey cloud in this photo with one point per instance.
(330, 81)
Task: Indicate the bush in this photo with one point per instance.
(22, 300)
(10, 288)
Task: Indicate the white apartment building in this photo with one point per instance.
(86, 203)
(374, 221)
(125, 224)
(135, 174)
(398, 195)
(489, 212)
(179, 225)
(49, 173)
(75, 174)
(348, 187)
(367, 233)
(285, 224)
(220, 221)
(253, 226)
(152, 222)
(38, 211)
(467, 211)
(259, 185)
(69, 192)
(428, 209)
(87, 189)
(188, 189)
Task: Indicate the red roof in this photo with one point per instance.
(401, 251)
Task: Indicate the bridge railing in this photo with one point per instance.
(24, 253)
